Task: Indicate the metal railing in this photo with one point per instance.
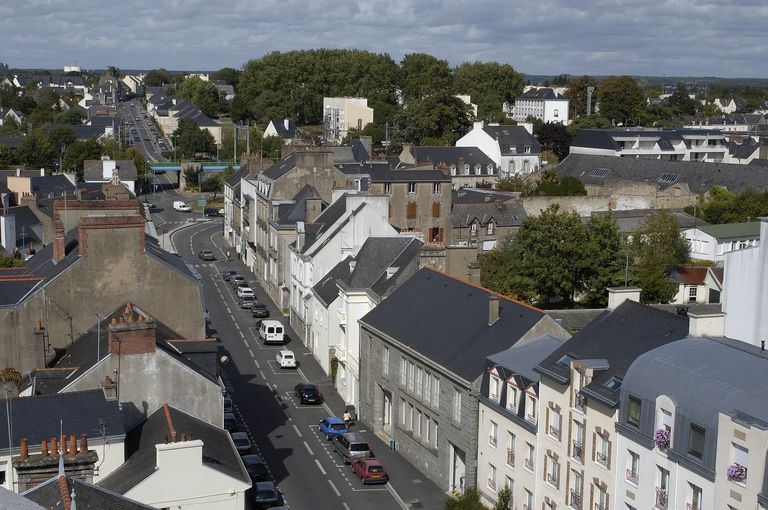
(601, 459)
(552, 479)
(575, 499)
(581, 402)
(554, 431)
(492, 440)
(632, 476)
(577, 452)
(662, 499)
(510, 457)
(529, 464)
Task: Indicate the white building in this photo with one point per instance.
(696, 284)
(544, 104)
(712, 242)
(467, 100)
(340, 114)
(707, 145)
(514, 150)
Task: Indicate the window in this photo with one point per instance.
(528, 500)
(633, 411)
(435, 437)
(553, 471)
(557, 112)
(385, 361)
(613, 384)
(403, 412)
(427, 430)
(387, 188)
(466, 168)
(510, 449)
(492, 434)
(457, 406)
(417, 425)
(577, 449)
(511, 397)
(411, 210)
(409, 378)
(575, 491)
(419, 375)
(662, 494)
(436, 235)
(665, 420)
(633, 466)
(692, 291)
(473, 228)
(402, 371)
(453, 169)
(436, 188)
(530, 455)
(492, 477)
(494, 383)
(530, 408)
(435, 209)
(554, 424)
(411, 187)
(601, 498)
(602, 447)
(436, 392)
(427, 388)
(410, 416)
(694, 497)
(740, 459)
(490, 228)
(696, 436)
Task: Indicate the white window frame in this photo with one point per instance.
(494, 388)
(385, 361)
(456, 405)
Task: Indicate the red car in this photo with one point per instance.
(370, 471)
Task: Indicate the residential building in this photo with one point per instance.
(340, 114)
(631, 221)
(327, 238)
(468, 166)
(543, 104)
(350, 290)
(20, 231)
(169, 110)
(514, 150)
(8, 114)
(70, 491)
(225, 89)
(696, 284)
(704, 145)
(232, 209)
(508, 424)
(103, 170)
(284, 129)
(175, 460)
(692, 426)
(41, 186)
(712, 242)
(423, 354)
(579, 392)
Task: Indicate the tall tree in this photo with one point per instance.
(621, 100)
(490, 84)
(227, 74)
(423, 75)
(577, 95)
(555, 137)
(436, 119)
(158, 77)
(36, 151)
(681, 102)
(202, 94)
(192, 141)
(658, 246)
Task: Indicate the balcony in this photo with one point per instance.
(529, 464)
(492, 484)
(494, 397)
(598, 506)
(575, 499)
(492, 441)
(601, 459)
(341, 353)
(342, 317)
(531, 418)
(662, 498)
(552, 479)
(632, 476)
(693, 506)
(580, 403)
(577, 452)
(510, 457)
(554, 432)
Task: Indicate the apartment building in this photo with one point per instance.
(340, 114)
(542, 103)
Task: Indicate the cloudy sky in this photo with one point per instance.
(653, 37)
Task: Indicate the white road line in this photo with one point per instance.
(245, 341)
(257, 362)
(298, 432)
(237, 326)
(346, 506)
(229, 310)
(320, 467)
(397, 497)
(308, 448)
(243, 337)
(261, 373)
(334, 488)
(252, 356)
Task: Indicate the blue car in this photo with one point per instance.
(332, 427)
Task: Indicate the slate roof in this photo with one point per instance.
(354, 151)
(93, 170)
(236, 177)
(617, 337)
(575, 319)
(382, 174)
(665, 138)
(541, 94)
(522, 358)
(513, 137)
(447, 156)
(25, 221)
(83, 412)
(57, 184)
(509, 213)
(633, 220)
(290, 214)
(282, 131)
(698, 176)
(481, 195)
(86, 496)
(732, 230)
(9, 500)
(326, 220)
(281, 167)
(743, 150)
(446, 320)
(218, 451)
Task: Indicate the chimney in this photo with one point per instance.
(18, 172)
(129, 335)
(64, 445)
(617, 295)
(287, 124)
(72, 444)
(83, 444)
(473, 272)
(300, 235)
(24, 448)
(493, 308)
(314, 158)
(314, 208)
(367, 142)
(58, 241)
(54, 447)
(44, 448)
(706, 324)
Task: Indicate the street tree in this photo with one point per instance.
(621, 100)
(79, 151)
(36, 151)
(555, 137)
(680, 102)
(158, 77)
(435, 119)
(202, 94)
(191, 141)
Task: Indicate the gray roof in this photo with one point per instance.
(290, 214)
(10, 141)
(447, 156)
(481, 195)
(575, 319)
(235, 178)
(743, 150)
(326, 220)
(699, 177)
(82, 412)
(86, 496)
(513, 137)
(446, 320)
(9, 500)
(635, 219)
(509, 213)
(708, 375)
(383, 174)
(522, 357)
(93, 170)
(665, 138)
(281, 167)
(25, 220)
(540, 93)
(46, 185)
(218, 451)
(282, 131)
(619, 337)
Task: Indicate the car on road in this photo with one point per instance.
(352, 446)
(370, 471)
(206, 255)
(246, 301)
(181, 206)
(244, 291)
(211, 211)
(227, 274)
(272, 332)
(256, 467)
(227, 404)
(286, 359)
(265, 494)
(259, 311)
(242, 442)
(308, 393)
(230, 422)
(332, 426)
(235, 279)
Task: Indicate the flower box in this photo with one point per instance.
(737, 472)
(662, 438)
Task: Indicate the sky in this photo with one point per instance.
(724, 38)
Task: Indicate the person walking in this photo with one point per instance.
(228, 259)
(347, 418)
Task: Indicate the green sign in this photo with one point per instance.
(201, 202)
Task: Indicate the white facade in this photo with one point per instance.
(467, 100)
(524, 162)
(546, 110)
(340, 114)
(707, 146)
(182, 481)
(705, 246)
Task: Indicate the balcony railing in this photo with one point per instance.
(575, 499)
(662, 498)
(492, 484)
(494, 397)
(578, 451)
(581, 402)
(531, 418)
(554, 432)
(693, 506)
(598, 506)
(510, 457)
(601, 459)
(492, 440)
(552, 479)
(632, 476)
(529, 464)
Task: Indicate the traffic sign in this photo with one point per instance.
(201, 202)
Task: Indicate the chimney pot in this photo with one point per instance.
(83, 443)
(64, 445)
(24, 448)
(38, 326)
(493, 308)
(44, 448)
(54, 446)
(72, 444)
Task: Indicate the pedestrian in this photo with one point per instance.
(347, 417)
(228, 259)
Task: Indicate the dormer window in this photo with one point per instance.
(466, 168)
(531, 403)
(478, 167)
(473, 228)
(453, 169)
(614, 383)
(490, 169)
(512, 396)
(494, 388)
(489, 230)
(634, 406)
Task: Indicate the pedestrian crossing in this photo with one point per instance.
(203, 265)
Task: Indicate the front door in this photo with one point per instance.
(458, 469)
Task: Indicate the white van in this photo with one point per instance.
(271, 332)
(180, 206)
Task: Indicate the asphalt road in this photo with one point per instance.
(146, 135)
(302, 463)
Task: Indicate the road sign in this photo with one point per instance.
(201, 202)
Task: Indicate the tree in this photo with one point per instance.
(191, 174)
(227, 74)
(61, 136)
(489, 84)
(658, 246)
(114, 72)
(723, 206)
(577, 95)
(504, 498)
(681, 102)
(591, 122)
(621, 100)
(606, 250)
(556, 138)
(192, 141)
(10, 261)
(711, 110)
(77, 152)
(423, 75)
(202, 94)
(72, 117)
(36, 151)
(158, 77)
(468, 500)
(212, 185)
(436, 119)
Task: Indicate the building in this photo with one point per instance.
(513, 149)
(507, 437)
(692, 427)
(468, 166)
(103, 171)
(696, 284)
(175, 460)
(232, 208)
(423, 354)
(543, 104)
(20, 231)
(340, 114)
(169, 110)
(712, 242)
(284, 129)
(704, 145)
(579, 392)
(481, 217)
(467, 100)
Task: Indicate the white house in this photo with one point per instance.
(696, 284)
(705, 144)
(544, 104)
(106, 169)
(712, 242)
(467, 100)
(340, 114)
(284, 129)
(514, 150)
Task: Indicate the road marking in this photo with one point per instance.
(397, 497)
(261, 373)
(317, 462)
(308, 448)
(256, 361)
(243, 337)
(229, 310)
(298, 432)
(334, 488)
(237, 326)
(346, 506)
(252, 356)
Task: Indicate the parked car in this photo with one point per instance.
(272, 332)
(236, 278)
(242, 442)
(286, 359)
(211, 211)
(206, 255)
(227, 404)
(370, 471)
(256, 467)
(332, 427)
(351, 446)
(246, 301)
(259, 311)
(241, 284)
(227, 274)
(265, 494)
(244, 291)
(308, 394)
(230, 423)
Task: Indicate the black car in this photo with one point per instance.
(265, 494)
(230, 423)
(211, 211)
(259, 311)
(256, 467)
(308, 394)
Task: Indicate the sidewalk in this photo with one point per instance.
(408, 486)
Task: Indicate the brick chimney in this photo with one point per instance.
(132, 334)
(36, 468)
(107, 234)
(58, 241)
